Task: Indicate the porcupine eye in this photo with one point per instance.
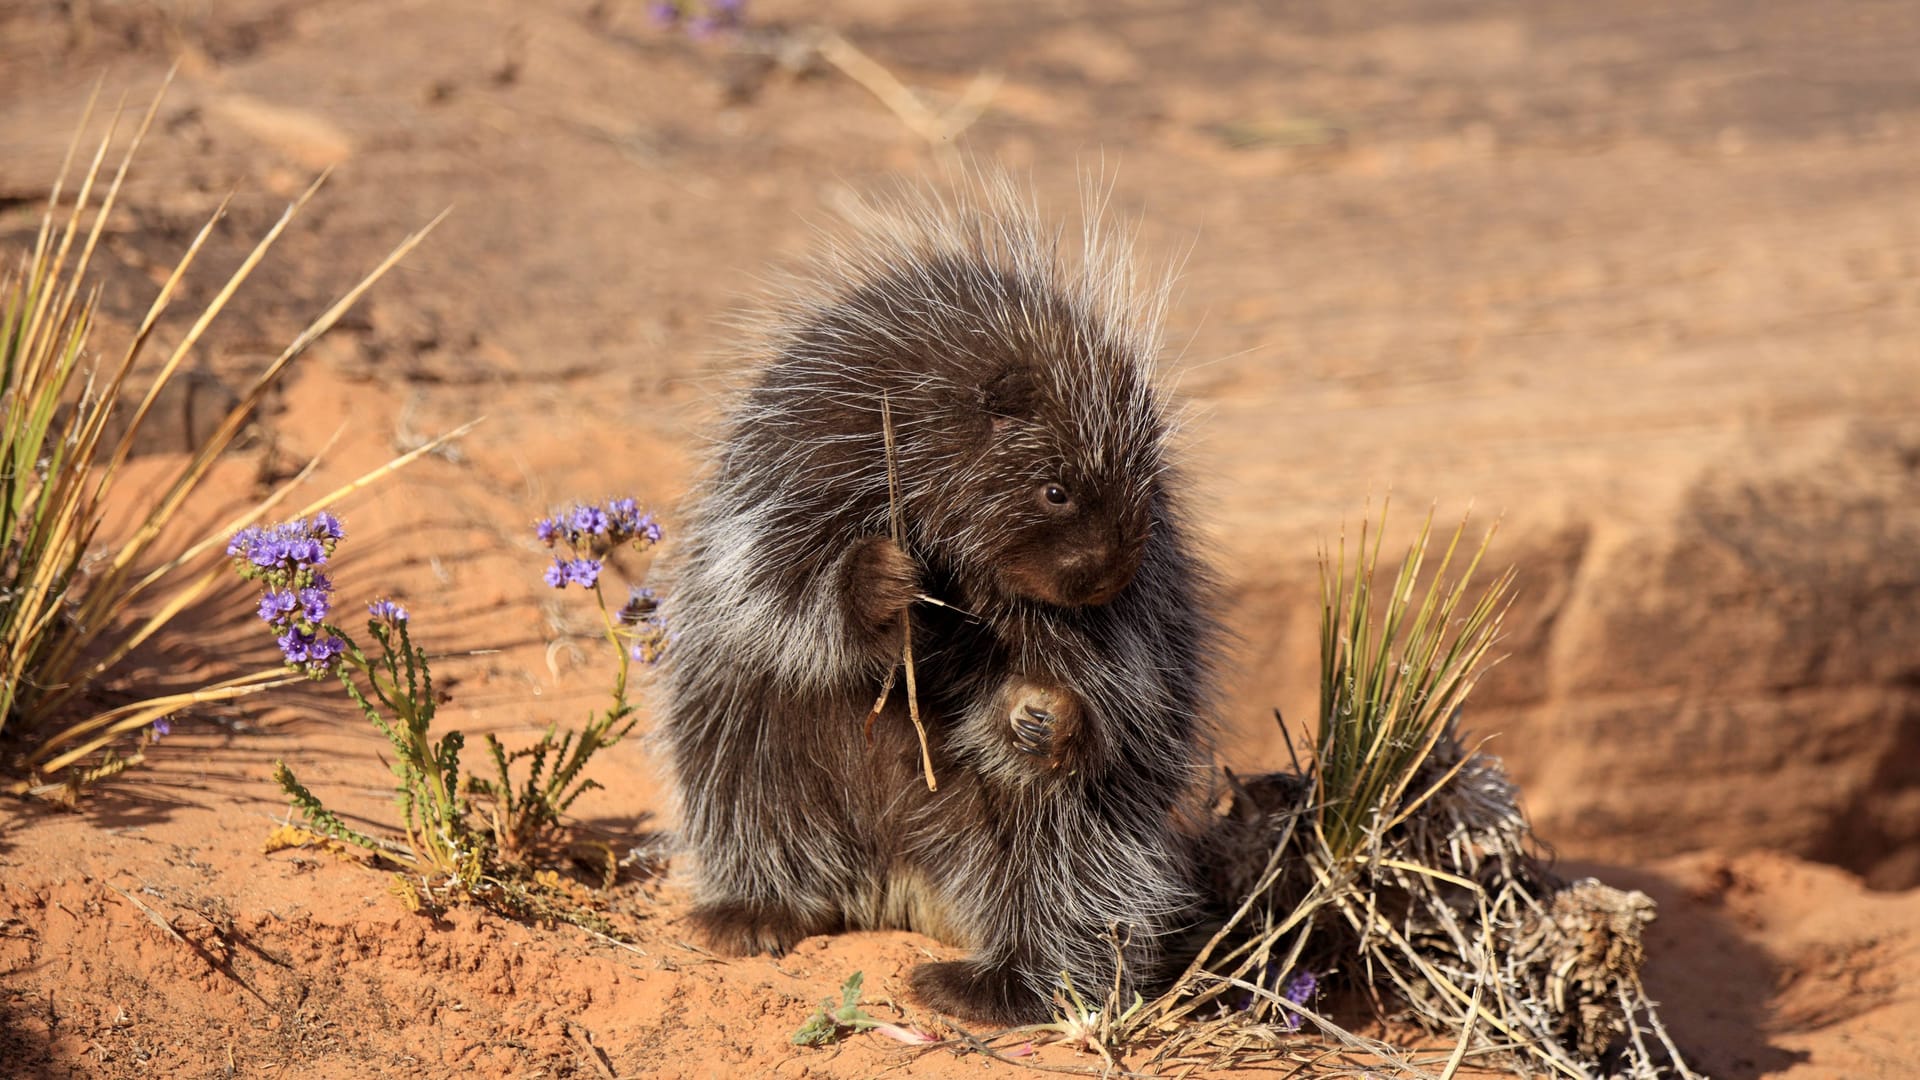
(1055, 499)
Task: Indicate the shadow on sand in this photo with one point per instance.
(1711, 983)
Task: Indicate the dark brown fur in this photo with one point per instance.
(1065, 689)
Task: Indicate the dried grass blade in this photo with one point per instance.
(46, 313)
(207, 315)
(139, 714)
(1466, 1033)
(897, 517)
(161, 302)
(45, 234)
(103, 593)
(113, 189)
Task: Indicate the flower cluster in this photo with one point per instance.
(1297, 990)
(644, 627)
(582, 572)
(292, 544)
(287, 558)
(1294, 987)
(586, 525)
(701, 20)
(387, 611)
(588, 530)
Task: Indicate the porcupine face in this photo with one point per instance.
(1067, 479)
(1029, 433)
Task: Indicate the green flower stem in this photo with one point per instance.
(612, 625)
(409, 737)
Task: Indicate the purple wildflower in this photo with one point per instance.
(162, 728)
(315, 652)
(1297, 990)
(624, 516)
(324, 649)
(589, 532)
(286, 547)
(584, 572)
(387, 611)
(275, 606)
(641, 603)
(285, 559)
(315, 603)
(295, 646)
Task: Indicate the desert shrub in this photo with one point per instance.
(497, 839)
(1398, 870)
(67, 590)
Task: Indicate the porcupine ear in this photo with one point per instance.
(1008, 397)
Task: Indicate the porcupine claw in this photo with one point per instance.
(1033, 730)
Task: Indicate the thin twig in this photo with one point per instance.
(155, 917)
(904, 103)
(975, 1043)
(899, 523)
(880, 703)
(937, 602)
(1660, 1029)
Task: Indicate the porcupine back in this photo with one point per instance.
(1002, 362)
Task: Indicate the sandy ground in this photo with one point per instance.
(1645, 284)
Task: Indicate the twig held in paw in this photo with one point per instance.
(899, 524)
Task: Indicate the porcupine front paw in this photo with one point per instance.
(987, 994)
(737, 928)
(1042, 721)
(880, 581)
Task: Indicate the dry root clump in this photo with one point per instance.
(1448, 918)
(1580, 956)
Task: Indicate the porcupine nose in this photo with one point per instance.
(1098, 575)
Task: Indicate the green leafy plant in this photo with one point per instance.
(67, 593)
(525, 818)
(455, 852)
(1392, 678)
(831, 1023)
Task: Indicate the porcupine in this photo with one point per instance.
(1065, 684)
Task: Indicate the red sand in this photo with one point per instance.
(1647, 283)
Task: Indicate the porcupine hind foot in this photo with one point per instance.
(740, 928)
(988, 994)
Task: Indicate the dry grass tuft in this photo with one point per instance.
(65, 593)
